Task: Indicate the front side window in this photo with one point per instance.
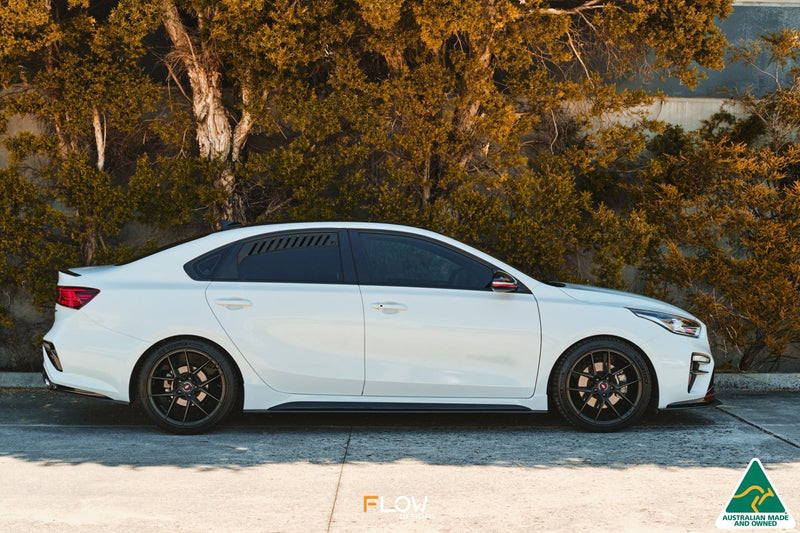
(292, 258)
(403, 260)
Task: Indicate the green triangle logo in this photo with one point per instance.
(755, 503)
(755, 493)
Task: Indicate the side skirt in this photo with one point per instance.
(392, 407)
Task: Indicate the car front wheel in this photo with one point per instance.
(187, 386)
(602, 385)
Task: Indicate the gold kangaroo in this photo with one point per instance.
(759, 499)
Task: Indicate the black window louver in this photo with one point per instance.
(289, 242)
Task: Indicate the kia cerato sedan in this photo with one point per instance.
(357, 316)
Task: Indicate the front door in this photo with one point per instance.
(434, 327)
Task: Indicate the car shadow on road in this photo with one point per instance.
(54, 429)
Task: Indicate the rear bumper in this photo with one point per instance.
(71, 390)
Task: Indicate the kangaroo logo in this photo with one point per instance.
(759, 499)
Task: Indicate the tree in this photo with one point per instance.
(726, 202)
(235, 56)
(74, 68)
(446, 108)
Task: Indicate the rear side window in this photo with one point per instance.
(313, 257)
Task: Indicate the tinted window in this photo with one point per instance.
(389, 259)
(295, 258)
(205, 265)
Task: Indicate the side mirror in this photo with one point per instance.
(504, 282)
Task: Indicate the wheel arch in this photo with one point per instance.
(137, 368)
(655, 392)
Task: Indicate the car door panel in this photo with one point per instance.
(294, 311)
(299, 338)
(452, 338)
(450, 343)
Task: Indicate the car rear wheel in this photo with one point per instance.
(187, 386)
(602, 385)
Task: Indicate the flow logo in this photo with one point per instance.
(755, 503)
(401, 504)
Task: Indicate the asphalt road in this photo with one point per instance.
(74, 464)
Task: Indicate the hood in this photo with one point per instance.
(598, 295)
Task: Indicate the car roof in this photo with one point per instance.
(188, 250)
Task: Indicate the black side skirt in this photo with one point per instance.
(390, 407)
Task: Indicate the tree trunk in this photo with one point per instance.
(215, 137)
(99, 137)
(465, 117)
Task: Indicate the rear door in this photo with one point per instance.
(290, 304)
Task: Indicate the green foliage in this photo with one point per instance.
(726, 202)
(23, 217)
(168, 192)
(728, 239)
(64, 196)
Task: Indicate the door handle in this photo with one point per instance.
(389, 308)
(233, 303)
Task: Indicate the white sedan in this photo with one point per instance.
(358, 316)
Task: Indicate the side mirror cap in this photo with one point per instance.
(504, 282)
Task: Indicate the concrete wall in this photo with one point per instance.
(748, 21)
(689, 112)
(16, 125)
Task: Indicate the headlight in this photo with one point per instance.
(674, 323)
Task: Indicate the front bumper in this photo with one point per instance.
(708, 400)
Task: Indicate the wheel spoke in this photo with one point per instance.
(188, 364)
(209, 380)
(611, 405)
(209, 394)
(607, 363)
(583, 374)
(171, 405)
(197, 404)
(162, 394)
(581, 389)
(624, 368)
(201, 367)
(600, 409)
(164, 378)
(171, 366)
(585, 402)
(186, 412)
(622, 396)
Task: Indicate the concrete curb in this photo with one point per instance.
(21, 380)
(722, 381)
(753, 381)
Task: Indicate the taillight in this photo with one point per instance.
(76, 297)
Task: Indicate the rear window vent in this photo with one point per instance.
(290, 242)
(292, 258)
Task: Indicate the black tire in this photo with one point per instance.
(187, 386)
(601, 385)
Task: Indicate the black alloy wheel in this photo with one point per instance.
(187, 386)
(602, 385)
